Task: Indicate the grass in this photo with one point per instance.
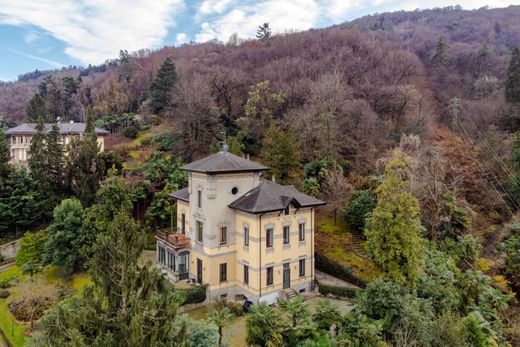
(335, 240)
(48, 283)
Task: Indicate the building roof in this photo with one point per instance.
(181, 194)
(223, 162)
(65, 128)
(269, 196)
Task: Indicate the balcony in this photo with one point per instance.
(173, 238)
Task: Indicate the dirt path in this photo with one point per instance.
(332, 281)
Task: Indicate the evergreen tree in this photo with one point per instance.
(162, 85)
(84, 169)
(68, 242)
(55, 162)
(484, 60)
(263, 32)
(128, 305)
(280, 152)
(30, 255)
(221, 318)
(5, 156)
(38, 156)
(36, 108)
(394, 230)
(264, 326)
(440, 57)
(513, 78)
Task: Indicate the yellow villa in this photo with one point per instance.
(20, 138)
(241, 235)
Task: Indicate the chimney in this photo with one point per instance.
(247, 156)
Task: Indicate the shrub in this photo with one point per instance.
(29, 309)
(357, 210)
(340, 271)
(130, 131)
(234, 307)
(341, 291)
(4, 293)
(165, 141)
(6, 282)
(195, 294)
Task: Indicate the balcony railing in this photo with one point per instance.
(173, 238)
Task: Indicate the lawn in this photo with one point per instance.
(336, 241)
(48, 283)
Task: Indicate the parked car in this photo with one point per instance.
(247, 304)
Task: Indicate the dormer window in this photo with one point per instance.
(286, 211)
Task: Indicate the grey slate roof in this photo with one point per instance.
(222, 162)
(181, 194)
(269, 196)
(65, 128)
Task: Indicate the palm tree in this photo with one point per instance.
(221, 318)
(264, 326)
(298, 316)
(327, 315)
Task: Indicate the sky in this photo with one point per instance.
(50, 34)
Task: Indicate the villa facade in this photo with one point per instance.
(20, 138)
(238, 233)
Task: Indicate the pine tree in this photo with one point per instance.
(513, 78)
(5, 155)
(162, 85)
(55, 162)
(440, 58)
(38, 156)
(263, 32)
(393, 230)
(84, 170)
(36, 108)
(484, 60)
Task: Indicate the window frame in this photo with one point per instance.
(269, 237)
(301, 231)
(199, 198)
(246, 274)
(200, 231)
(246, 236)
(286, 229)
(183, 223)
(223, 235)
(301, 270)
(269, 276)
(223, 272)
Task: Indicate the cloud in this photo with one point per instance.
(31, 37)
(181, 38)
(281, 14)
(95, 30)
(213, 6)
(35, 57)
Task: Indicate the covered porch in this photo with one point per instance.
(173, 254)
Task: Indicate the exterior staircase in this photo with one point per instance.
(290, 293)
(357, 246)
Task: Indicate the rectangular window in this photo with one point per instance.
(162, 257)
(223, 235)
(286, 234)
(269, 278)
(183, 223)
(199, 198)
(269, 237)
(223, 272)
(246, 236)
(246, 274)
(301, 231)
(170, 260)
(200, 230)
(302, 267)
(183, 263)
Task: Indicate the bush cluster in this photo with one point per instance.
(195, 294)
(4, 293)
(341, 291)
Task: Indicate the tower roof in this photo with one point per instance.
(223, 162)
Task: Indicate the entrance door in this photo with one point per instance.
(286, 276)
(199, 271)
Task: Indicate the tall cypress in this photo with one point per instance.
(4, 156)
(38, 155)
(513, 78)
(36, 108)
(55, 161)
(440, 58)
(162, 85)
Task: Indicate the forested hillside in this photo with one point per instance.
(406, 123)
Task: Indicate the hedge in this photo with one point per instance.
(195, 294)
(345, 292)
(333, 268)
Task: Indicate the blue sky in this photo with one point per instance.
(47, 34)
